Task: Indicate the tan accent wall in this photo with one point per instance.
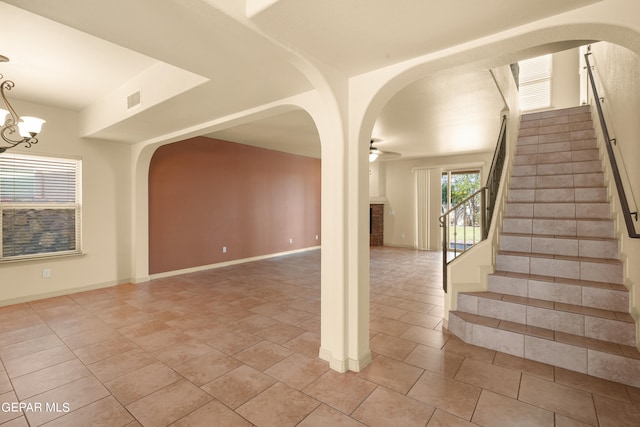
(207, 194)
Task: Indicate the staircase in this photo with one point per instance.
(557, 295)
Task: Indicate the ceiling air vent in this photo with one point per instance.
(133, 100)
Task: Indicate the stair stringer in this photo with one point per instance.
(469, 272)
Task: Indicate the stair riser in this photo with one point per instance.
(547, 318)
(552, 147)
(602, 298)
(592, 166)
(564, 195)
(605, 249)
(558, 210)
(561, 157)
(568, 356)
(563, 268)
(558, 181)
(560, 227)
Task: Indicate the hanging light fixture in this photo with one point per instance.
(16, 130)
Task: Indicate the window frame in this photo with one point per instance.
(74, 164)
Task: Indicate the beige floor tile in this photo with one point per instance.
(48, 378)
(33, 345)
(16, 422)
(490, 377)
(168, 404)
(263, 355)
(394, 347)
(104, 412)
(298, 371)
(181, 352)
(520, 364)
(425, 336)
(206, 414)
(130, 387)
(114, 366)
(389, 326)
(435, 360)
(457, 346)
(238, 386)
(500, 411)
(591, 384)
(76, 395)
(612, 413)
(306, 344)
(343, 392)
(388, 408)
(9, 412)
(449, 395)
(112, 346)
(391, 373)
(562, 421)
(568, 401)
(444, 419)
(35, 361)
(5, 383)
(325, 415)
(203, 369)
(277, 406)
(250, 336)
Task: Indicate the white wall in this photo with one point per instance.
(619, 71)
(106, 215)
(565, 80)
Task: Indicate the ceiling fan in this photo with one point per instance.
(377, 154)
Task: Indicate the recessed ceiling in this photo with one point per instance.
(70, 53)
(56, 65)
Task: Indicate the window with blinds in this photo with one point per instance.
(39, 206)
(535, 83)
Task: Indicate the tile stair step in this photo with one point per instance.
(574, 180)
(566, 267)
(559, 195)
(566, 227)
(587, 166)
(569, 111)
(560, 245)
(573, 319)
(557, 157)
(602, 359)
(529, 145)
(587, 293)
(566, 210)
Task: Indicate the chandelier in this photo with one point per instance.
(15, 130)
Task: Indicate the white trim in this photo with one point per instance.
(223, 264)
(68, 291)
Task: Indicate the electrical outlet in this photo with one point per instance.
(316, 237)
(224, 249)
(46, 273)
(290, 241)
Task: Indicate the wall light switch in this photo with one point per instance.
(224, 249)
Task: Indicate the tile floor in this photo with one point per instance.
(238, 346)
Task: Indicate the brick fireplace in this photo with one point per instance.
(376, 224)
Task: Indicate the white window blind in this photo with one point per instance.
(535, 83)
(40, 206)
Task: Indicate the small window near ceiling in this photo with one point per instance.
(39, 206)
(535, 83)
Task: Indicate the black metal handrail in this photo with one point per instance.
(624, 202)
(488, 197)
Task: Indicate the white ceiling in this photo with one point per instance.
(72, 53)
